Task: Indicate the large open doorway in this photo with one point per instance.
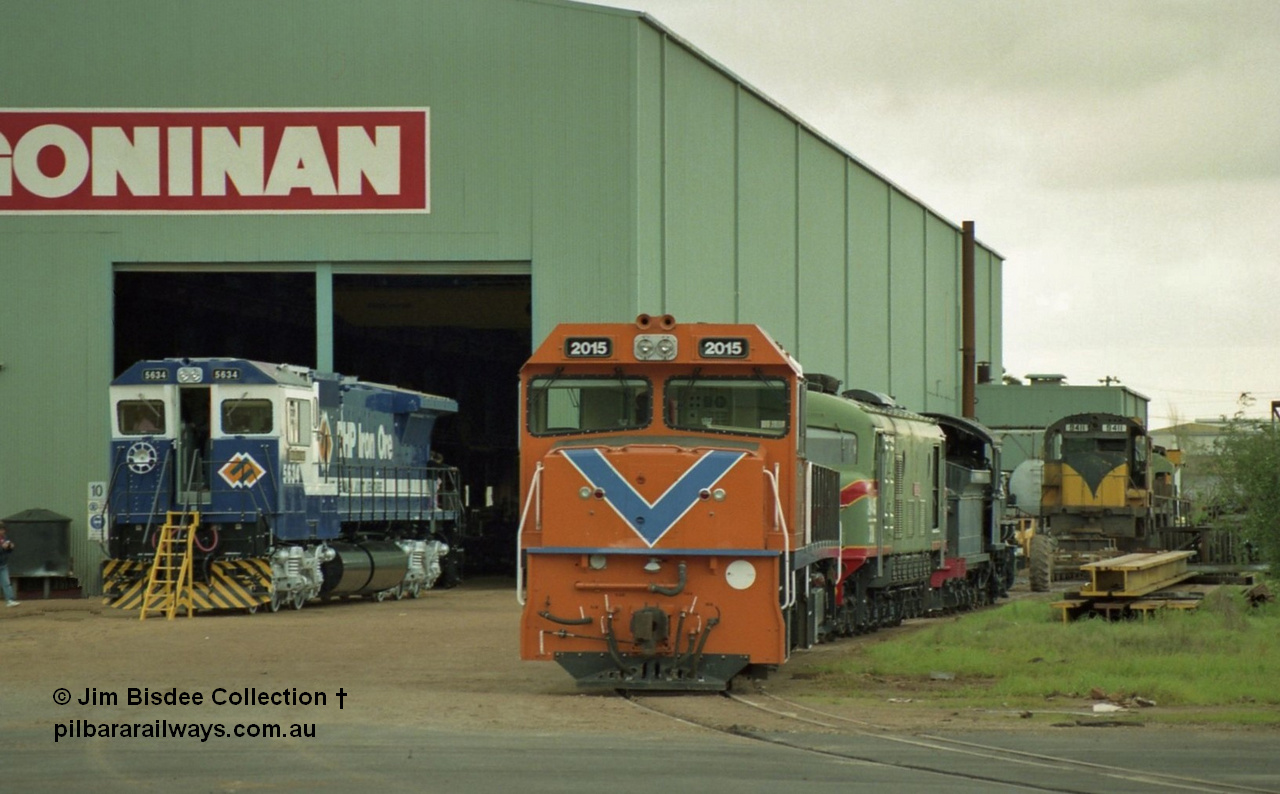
(256, 315)
(460, 336)
(463, 337)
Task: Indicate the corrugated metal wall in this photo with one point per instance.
(746, 214)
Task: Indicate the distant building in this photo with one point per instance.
(1198, 442)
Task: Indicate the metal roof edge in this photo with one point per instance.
(657, 25)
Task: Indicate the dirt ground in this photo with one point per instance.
(448, 659)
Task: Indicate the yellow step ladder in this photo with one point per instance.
(169, 583)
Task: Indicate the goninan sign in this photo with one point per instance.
(215, 161)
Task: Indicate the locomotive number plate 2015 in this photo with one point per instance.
(723, 347)
(588, 347)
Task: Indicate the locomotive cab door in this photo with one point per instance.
(885, 484)
(194, 469)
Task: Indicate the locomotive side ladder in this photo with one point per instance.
(169, 583)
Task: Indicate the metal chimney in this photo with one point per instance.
(968, 344)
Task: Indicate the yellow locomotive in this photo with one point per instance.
(1106, 490)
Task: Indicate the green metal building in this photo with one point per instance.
(415, 192)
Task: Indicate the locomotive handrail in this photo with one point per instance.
(155, 496)
(789, 594)
(257, 498)
(535, 486)
(682, 579)
(426, 492)
(106, 500)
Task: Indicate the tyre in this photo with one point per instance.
(1040, 572)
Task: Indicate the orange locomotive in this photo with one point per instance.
(662, 532)
(695, 507)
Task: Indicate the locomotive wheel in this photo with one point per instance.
(276, 598)
(399, 592)
(380, 596)
(416, 589)
(299, 598)
(1040, 572)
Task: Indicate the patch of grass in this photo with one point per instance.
(1021, 654)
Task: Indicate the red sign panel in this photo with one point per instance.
(198, 161)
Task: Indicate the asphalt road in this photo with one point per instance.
(349, 757)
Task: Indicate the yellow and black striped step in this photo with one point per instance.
(233, 584)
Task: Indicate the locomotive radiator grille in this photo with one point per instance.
(824, 517)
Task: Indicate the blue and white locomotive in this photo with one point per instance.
(296, 483)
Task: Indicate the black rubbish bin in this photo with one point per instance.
(41, 546)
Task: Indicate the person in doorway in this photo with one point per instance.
(6, 548)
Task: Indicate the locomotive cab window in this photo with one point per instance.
(298, 425)
(832, 447)
(559, 405)
(140, 417)
(244, 416)
(757, 405)
(1139, 460)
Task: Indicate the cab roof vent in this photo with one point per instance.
(870, 397)
(827, 384)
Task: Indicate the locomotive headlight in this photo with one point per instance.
(654, 347)
(740, 574)
(718, 494)
(190, 375)
(653, 565)
(585, 492)
(597, 562)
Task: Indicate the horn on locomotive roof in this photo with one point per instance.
(666, 322)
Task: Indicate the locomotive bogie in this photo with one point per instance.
(296, 574)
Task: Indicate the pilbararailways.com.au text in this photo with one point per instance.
(164, 729)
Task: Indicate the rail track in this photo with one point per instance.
(777, 721)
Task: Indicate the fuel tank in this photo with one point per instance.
(361, 568)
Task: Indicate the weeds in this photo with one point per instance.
(1222, 654)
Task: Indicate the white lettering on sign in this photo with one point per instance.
(134, 162)
(268, 160)
(356, 442)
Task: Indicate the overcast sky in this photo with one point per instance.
(1122, 155)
